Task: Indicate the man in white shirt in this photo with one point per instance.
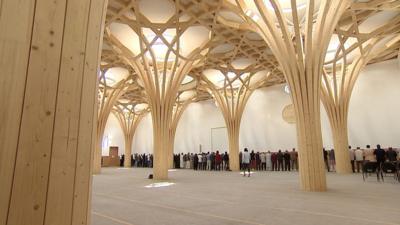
(199, 165)
(246, 161)
(268, 161)
(181, 162)
(263, 161)
(359, 157)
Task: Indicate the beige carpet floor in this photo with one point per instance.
(271, 198)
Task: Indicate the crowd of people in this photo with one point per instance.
(268, 160)
(138, 160)
(359, 156)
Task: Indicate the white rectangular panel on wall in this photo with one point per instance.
(219, 139)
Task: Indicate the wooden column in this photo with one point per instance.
(232, 97)
(108, 97)
(161, 62)
(339, 77)
(300, 47)
(128, 120)
(49, 55)
(179, 108)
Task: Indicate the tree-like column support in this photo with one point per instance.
(231, 96)
(179, 107)
(161, 148)
(161, 60)
(129, 119)
(233, 136)
(108, 97)
(341, 73)
(299, 40)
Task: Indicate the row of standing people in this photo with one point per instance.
(202, 161)
(138, 160)
(271, 161)
(359, 156)
(268, 161)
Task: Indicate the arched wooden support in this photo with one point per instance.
(161, 62)
(300, 44)
(48, 112)
(178, 110)
(340, 74)
(128, 120)
(108, 96)
(231, 95)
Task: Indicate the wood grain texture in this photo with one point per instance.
(52, 143)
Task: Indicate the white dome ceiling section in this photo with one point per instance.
(194, 37)
(377, 21)
(114, 75)
(257, 78)
(126, 36)
(157, 11)
(186, 95)
(216, 77)
(285, 7)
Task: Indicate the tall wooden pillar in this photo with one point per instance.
(300, 47)
(49, 55)
(232, 97)
(128, 120)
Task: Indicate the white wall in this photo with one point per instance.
(115, 135)
(374, 117)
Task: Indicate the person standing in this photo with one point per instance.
(352, 158)
(208, 161)
(195, 161)
(263, 161)
(286, 157)
(359, 156)
(380, 155)
(122, 160)
(391, 155)
(246, 161)
(332, 160)
(252, 160)
(181, 162)
(369, 154)
(226, 160)
(199, 163)
(258, 161)
(240, 160)
(279, 157)
(274, 161)
(326, 158)
(218, 160)
(293, 159)
(268, 161)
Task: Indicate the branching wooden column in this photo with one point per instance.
(178, 110)
(162, 50)
(110, 91)
(346, 57)
(48, 109)
(298, 33)
(231, 90)
(128, 119)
